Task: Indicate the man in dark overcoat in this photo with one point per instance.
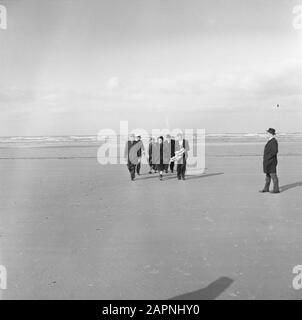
(130, 155)
(170, 143)
(270, 162)
(181, 147)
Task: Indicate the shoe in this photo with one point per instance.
(161, 177)
(263, 191)
(179, 178)
(166, 171)
(150, 172)
(183, 178)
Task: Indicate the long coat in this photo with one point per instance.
(185, 145)
(142, 148)
(130, 153)
(270, 160)
(150, 152)
(160, 154)
(170, 148)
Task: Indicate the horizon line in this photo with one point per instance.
(96, 134)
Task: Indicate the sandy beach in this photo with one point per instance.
(73, 229)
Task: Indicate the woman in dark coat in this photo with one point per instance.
(152, 166)
(160, 156)
(270, 162)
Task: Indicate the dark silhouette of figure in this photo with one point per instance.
(130, 155)
(170, 144)
(181, 155)
(160, 156)
(140, 153)
(270, 162)
(152, 167)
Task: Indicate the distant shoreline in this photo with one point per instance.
(94, 138)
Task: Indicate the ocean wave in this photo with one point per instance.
(210, 137)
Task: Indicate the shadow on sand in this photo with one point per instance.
(211, 292)
(291, 186)
(173, 176)
(147, 176)
(205, 175)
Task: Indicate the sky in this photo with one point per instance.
(79, 66)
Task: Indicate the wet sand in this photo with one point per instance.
(73, 229)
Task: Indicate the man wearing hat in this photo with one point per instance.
(270, 162)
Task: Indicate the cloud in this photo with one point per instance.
(279, 83)
(229, 92)
(285, 81)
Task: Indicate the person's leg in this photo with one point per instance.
(129, 166)
(267, 183)
(160, 169)
(156, 168)
(183, 171)
(179, 171)
(166, 168)
(133, 167)
(275, 182)
(172, 166)
(138, 167)
(160, 175)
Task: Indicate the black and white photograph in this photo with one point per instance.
(150, 150)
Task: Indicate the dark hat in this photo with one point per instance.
(271, 131)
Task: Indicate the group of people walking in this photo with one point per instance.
(162, 155)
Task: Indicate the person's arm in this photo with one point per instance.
(273, 149)
(276, 149)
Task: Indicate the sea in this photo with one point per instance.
(86, 146)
